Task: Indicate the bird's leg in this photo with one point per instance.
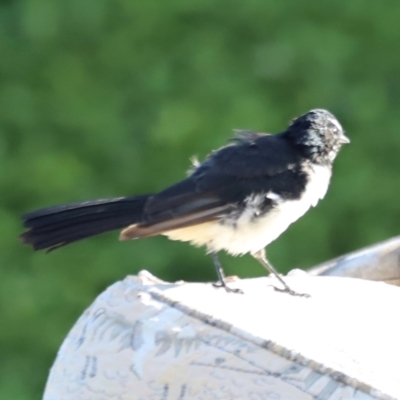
(221, 276)
(262, 259)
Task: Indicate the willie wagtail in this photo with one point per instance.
(240, 199)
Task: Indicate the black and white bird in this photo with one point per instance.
(240, 199)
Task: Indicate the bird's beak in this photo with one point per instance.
(344, 139)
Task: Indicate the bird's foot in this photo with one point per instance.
(222, 284)
(287, 289)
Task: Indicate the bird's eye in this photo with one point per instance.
(333, 128)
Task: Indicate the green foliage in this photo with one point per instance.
(105, 98)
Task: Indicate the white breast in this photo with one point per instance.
(250, 234)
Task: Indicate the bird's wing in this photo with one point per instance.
(255, 155)
(219, 185)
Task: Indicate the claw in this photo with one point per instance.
(220, 284)
(290, 291)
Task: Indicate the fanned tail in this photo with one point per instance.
(54, 227)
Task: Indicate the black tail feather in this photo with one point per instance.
(53, 227)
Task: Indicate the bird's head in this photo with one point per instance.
(318, 134)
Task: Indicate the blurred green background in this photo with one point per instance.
(106, 98)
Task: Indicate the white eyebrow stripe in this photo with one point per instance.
(336, 123)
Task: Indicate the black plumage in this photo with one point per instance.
(239, 199)
(57, 226)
